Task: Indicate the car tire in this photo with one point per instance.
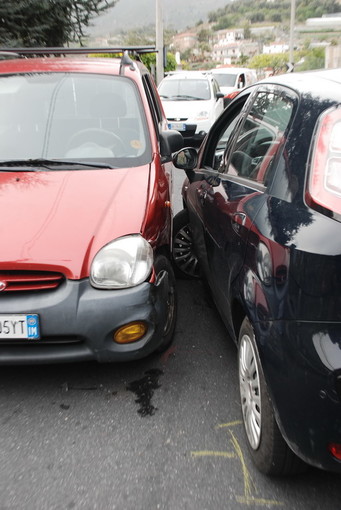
(185, 262)
(161, 265)
(269, 451)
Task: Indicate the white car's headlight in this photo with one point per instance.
(202, 115)
(123, 263)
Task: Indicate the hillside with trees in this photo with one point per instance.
(244, 12)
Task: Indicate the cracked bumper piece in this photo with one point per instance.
(78, 323)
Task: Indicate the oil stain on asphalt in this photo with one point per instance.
(144, 390)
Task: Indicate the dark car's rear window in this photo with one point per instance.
(73, 116)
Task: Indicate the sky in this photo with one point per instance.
(177, 14)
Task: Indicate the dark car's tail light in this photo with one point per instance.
(228, 98)
(324, 186)
(335, 450)
(233, 94)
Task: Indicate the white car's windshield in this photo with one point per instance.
(226, 80)
(185, 90)
(85, 117)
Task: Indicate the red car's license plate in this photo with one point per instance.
(19, 326)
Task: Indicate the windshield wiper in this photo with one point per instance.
(48, 163)
(186, 98)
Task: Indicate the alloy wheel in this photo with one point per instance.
(250, 394)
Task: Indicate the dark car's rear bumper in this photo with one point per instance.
(302, 364)
(77, 323)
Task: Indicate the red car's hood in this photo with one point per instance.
(58, 220)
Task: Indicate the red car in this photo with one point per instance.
(85, 211)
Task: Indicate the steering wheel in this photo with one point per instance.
(98, 136)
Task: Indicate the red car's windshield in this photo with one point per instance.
(83, 117)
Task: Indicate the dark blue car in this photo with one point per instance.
(262, 223)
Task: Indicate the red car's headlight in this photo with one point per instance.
(125, 262)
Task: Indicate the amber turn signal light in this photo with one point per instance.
(130, 332)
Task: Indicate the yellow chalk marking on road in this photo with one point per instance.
(248, 483)
(231, 424)
(209, 453)
(250, 490)
(249, 486)
(257, 501)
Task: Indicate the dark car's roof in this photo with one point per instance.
(324, 83)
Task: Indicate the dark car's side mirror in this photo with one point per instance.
(170, 141)
(186, 159)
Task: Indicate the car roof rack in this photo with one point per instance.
(135, 51)
(83, 50)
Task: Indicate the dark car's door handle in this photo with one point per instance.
(239, 220)
(202, 194)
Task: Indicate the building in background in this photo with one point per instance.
(185, 41)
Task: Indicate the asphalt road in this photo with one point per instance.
(161, 433)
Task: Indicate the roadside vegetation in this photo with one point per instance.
(47, 22)
(260, 11)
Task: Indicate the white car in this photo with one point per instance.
(232, 79)
(192, 101)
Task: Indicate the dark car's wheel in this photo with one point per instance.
(268, 449)
(185, 261)
(162, 265)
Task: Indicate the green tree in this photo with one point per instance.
(276, 18)
(237, 13)
(315, 8)
(257, 17)
(224, 22)
(171, 62)
(311, 59)
(243, 60)
(204, 35)
(213, 16)
(149, 60)
(47, 22)
(276, 62)
(247, 31)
